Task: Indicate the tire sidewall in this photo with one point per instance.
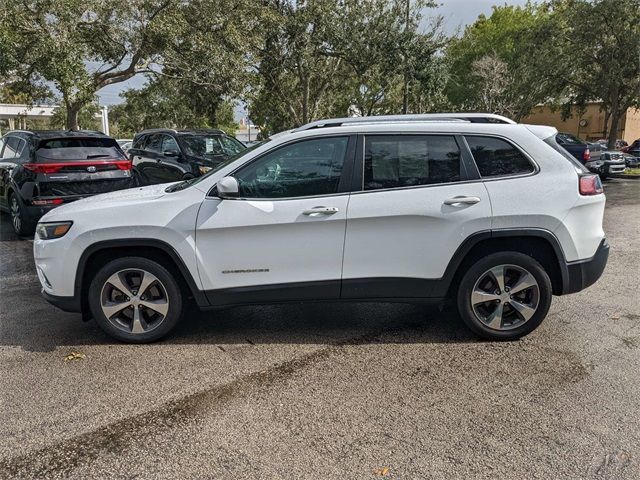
(174, 295)
(479, 268)
(26, 228)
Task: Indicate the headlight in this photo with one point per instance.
(204, 170)
(51, 230)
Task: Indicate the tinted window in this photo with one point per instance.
(169, 143)
(410, 160)
(231, 146)
(154, 143)
(495, 157)
(12, 147)
(568, 138)
(78, 149)
(310, 167)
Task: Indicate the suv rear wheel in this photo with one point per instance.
(504, 296)
(135, 300)
(21, 226)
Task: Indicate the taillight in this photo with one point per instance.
(56, 167)
(590, 185)
(48, 201)
(43, 167)
(586, 155)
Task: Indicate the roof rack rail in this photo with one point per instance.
(426, 117)
(151, 130)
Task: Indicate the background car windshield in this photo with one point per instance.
(186, 183)
(568, 138)
(211, 145)
(70, 149)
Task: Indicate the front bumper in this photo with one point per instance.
(584, 273)
(66, 304)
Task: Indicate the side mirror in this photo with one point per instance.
(227, 187)
(171, 153)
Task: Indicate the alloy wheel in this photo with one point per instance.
(134, 301)
(15, 214)
(505, 297)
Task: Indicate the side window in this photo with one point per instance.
(394, 161)
(230, 146)
(154, 143)
(11, 148)
(138, 142)
(169, 143)
(496, 157)
(306, 168)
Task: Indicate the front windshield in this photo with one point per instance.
(211, 145)
(187, 183)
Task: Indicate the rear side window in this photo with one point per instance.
(12, 147)
(78, 149)
(496, 157)
(395, 161)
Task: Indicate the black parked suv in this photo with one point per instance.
(166, 155)
(40, 170)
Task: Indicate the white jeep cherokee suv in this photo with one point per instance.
(420, 208)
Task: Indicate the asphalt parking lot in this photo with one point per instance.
(327, 391)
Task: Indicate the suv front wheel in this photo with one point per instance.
(504, 296)
(135, 300)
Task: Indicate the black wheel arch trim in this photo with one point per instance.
(471, 241)
(572, 276)
(198, 295)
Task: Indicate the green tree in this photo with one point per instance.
(82, 46)
(596, 55)
(172, 103)
(496, 64)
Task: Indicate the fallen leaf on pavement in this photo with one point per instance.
(381, 471)
(74, 356)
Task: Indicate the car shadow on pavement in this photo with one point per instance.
(38, 327)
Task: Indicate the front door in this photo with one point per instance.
(416, 206)
(283, 238)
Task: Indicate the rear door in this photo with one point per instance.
(284, 238)
(12, 149)
(417, 203)
(146, 157)
(77, 166)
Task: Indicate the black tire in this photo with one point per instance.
(165, 286)
(21, 226)
(514, 264)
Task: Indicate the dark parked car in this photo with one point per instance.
(633, 149)
(580, 149)
(166, 155)
(40, 170)
(591, 155)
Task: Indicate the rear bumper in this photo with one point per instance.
(585, 273)
(66, 304)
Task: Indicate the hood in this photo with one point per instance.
(129, 196)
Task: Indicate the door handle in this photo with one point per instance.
(321, 211)
(462, 200)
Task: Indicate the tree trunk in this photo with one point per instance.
(605, 130)
(615, 122)
(305, 99)
(72, 117)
